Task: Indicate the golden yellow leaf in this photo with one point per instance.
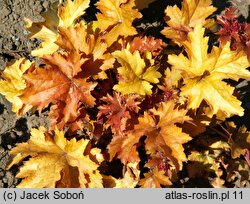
(168, 135)
(45, 31)
(203, 74)
(116, 18)
(135, 75)
(172, 78)
(81, 39)
(154, 179)
(70, 11)
(182, 21)
(54, 159)
(13, 83)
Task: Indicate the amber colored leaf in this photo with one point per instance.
(58, 82)
(54, 160)
(154, 179)
(182, 20)
(70, 11)
(118, 109)
(124, 147)
(203, 74)
(116, 18)
(75, 39)
(67, 76)
(81, 40)
(166, 135)
(135, 75)
(12, 84)
(143, 44)
(162, 134)
(79, 122)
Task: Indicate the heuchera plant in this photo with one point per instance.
(114, 95)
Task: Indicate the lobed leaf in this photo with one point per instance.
(116, 18)
(55, 161)
(135, 74)
(203, 73)
(161, 135)
(182, 20)
(12, 84)
(70, 11)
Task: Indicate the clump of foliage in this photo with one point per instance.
(115, 96)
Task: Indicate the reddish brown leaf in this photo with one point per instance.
(58, 82)
(118, 109)
(143, 44)
(162, 134)
(234, 31)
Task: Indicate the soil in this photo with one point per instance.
(14, 43)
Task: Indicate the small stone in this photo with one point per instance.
(11, 18)
(15, 16)
(31, 3)
(19, 133)
(17, 43)
(38, 6)
(4, 180)
(1, 173)
(25, 32)
(46, 4)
